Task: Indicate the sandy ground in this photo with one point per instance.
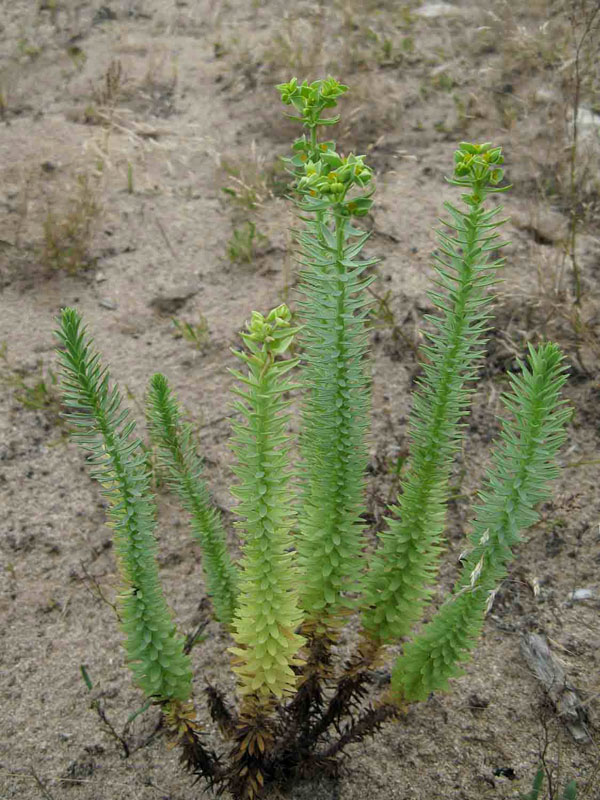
(121, 123)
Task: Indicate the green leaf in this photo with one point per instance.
(538, 782)
(139, 711)
(570, 792)
(86, 677)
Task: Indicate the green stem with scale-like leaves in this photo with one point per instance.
(154, 649)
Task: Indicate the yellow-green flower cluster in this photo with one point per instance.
(273, 331)
(323, 177)
(311, 99)
(305, 152)
(480, 162)
(331, 177)
(477, 167)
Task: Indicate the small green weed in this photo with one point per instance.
(408, 45)
(568, 793)
(249, 181)
(77, 56)
(443, 81)
(243, 243)
(68, 234)
(197, 335)
(28, 50)
(39, 392)
(130, 188)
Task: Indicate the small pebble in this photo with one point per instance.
(106, 303)
(581, 594)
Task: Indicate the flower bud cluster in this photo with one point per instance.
(477, 167)
(310, 99)
(332, 176)
(323, 177)
(305, 151)
(273, 331)
(479, 162)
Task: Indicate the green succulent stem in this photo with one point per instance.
(267, 615)
(334, 337)
(154, 649)
(399, 581)
(335, 417)
(177, 456)
(523, 464)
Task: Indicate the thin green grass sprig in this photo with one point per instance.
(569, 792)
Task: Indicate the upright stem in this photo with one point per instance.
(331, 534)
(588, 22)
(573, 179)
(398, 583)
(522, 464)
(267, 614)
